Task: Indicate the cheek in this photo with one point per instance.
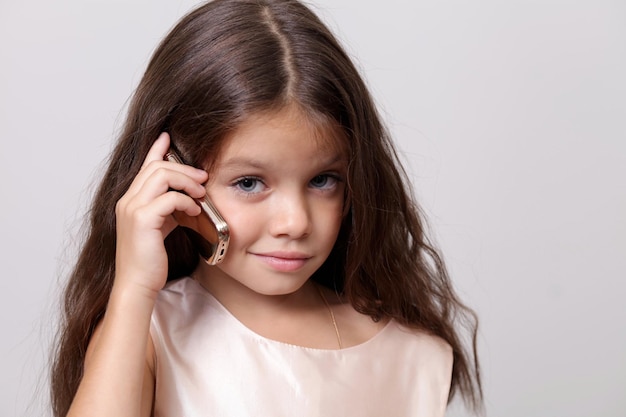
(332, 218)
(234, 214)
(241, 220)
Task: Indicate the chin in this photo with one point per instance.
(270, 283)
(275, 284)
(277, 289)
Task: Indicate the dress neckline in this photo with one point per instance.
(258, 336)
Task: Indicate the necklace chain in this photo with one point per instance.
(332, 316)
(319, 290)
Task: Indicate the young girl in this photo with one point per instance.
(329, 301)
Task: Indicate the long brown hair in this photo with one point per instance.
(227, 60)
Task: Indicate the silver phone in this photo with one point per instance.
(208, 231)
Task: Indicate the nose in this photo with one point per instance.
(291, 217)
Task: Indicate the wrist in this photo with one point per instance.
(131, 295)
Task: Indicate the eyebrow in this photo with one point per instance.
(245, 162)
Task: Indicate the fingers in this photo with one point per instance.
(158, 150)
(164, 178)
(156, 173)
(155, 215)
(151, 193)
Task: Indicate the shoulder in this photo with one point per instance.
(357, 328)
(183, 309)
(427, 359)
(179, 304)
(431, 345)
(178, 287)
(431, 354)
(179, 292)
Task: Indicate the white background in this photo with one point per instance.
(511, 116)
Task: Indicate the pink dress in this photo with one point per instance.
(399, 372)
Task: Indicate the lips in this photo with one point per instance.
(283, 261)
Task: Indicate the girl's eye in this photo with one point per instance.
(324, 181)
(249, 185)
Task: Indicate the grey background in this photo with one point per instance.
(510, 116)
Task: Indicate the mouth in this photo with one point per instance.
(283, 261)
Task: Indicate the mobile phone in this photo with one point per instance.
(208, 231)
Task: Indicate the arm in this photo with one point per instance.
(118, 377)
(119, 368)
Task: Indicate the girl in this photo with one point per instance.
(329, 302)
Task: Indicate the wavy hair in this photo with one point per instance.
(227, 60)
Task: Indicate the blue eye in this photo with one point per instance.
(323, 181)
(249, 185)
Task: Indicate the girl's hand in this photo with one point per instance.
(144, 217)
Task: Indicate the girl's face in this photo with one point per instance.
(279, 183)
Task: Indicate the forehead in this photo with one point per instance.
(285, 133)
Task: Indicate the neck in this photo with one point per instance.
(240, 299)
(278, 317)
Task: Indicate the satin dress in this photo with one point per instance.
(209, 364)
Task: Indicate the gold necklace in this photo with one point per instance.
(332, 315)
(319, 290)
